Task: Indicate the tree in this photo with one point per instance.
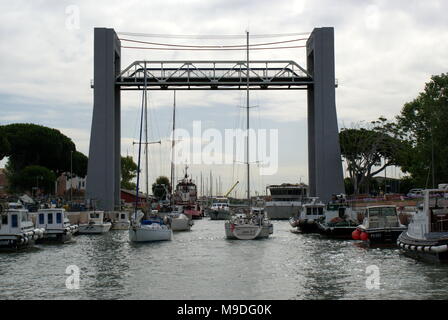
(128, 173)
(35, 145)
(369, 151)
(32, 177)
(5, 147)
(422, 123)
(160, 188)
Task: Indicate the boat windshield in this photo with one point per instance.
(383, 217)
(438, 206)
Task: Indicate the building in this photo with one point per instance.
(64, 184)
(4, 184)
(128, 197)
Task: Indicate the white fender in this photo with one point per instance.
(439, 249)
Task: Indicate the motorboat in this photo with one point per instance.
(309, 215)
(120, 220)
(285, 200)
(220, 209)
(339, 221)
(427, 235)
(17, 229)
(95, 224)
(56, 224)
(381, 226)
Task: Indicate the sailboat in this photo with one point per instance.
(179, 221)
(253, 224)
(155, 228)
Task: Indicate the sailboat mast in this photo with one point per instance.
(146, 147)
(140, 149)
(248, 123)
(172, 148)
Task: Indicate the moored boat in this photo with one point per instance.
(17, 229)
(120, 220)
(251, 226)
(56, 224)
(309, 215)
(95, 224)
(152, 230)
(427, 234)
(339, 221)
(285, 200)
(219, 210)
(381, 226)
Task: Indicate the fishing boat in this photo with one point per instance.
(56, 224)
(95, 224)
(220, 209)
(309, 215)
(339, 221)
(186, 195)
(120, 220)
(427, 234)
(254, 223)
(381, 226)
(17, 229)
(155, 228)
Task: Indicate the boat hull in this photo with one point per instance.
(219, 215)
(434, 250)
(284, 212)
(336, 232)
(383, 236)
(181, 223)
(120, 225)
(264, 233)
(95, 228)
(308, 226)
(150, 235)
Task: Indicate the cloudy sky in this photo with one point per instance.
(385, 52)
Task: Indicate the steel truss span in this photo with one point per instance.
(214, 75)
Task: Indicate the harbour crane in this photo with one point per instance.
(231, 189)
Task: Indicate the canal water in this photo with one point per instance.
(203, 265)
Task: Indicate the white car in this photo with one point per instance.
(415, 193)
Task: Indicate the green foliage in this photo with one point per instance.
(5, 147)
(365, 149)
(35, 145)
(423, 124)
(160, 187)
(32, 177)
(128, 173)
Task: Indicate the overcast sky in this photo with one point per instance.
(385, 52)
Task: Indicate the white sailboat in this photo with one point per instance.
(255, 223)
(154, 229)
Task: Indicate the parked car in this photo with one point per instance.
(415, 193)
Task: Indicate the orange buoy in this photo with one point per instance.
(356, 235)
(364, 236)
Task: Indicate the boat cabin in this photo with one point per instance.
(381, 217)
(96, 216)
(14, 221)
(436, 209)
(313, 210)
(52, 219)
